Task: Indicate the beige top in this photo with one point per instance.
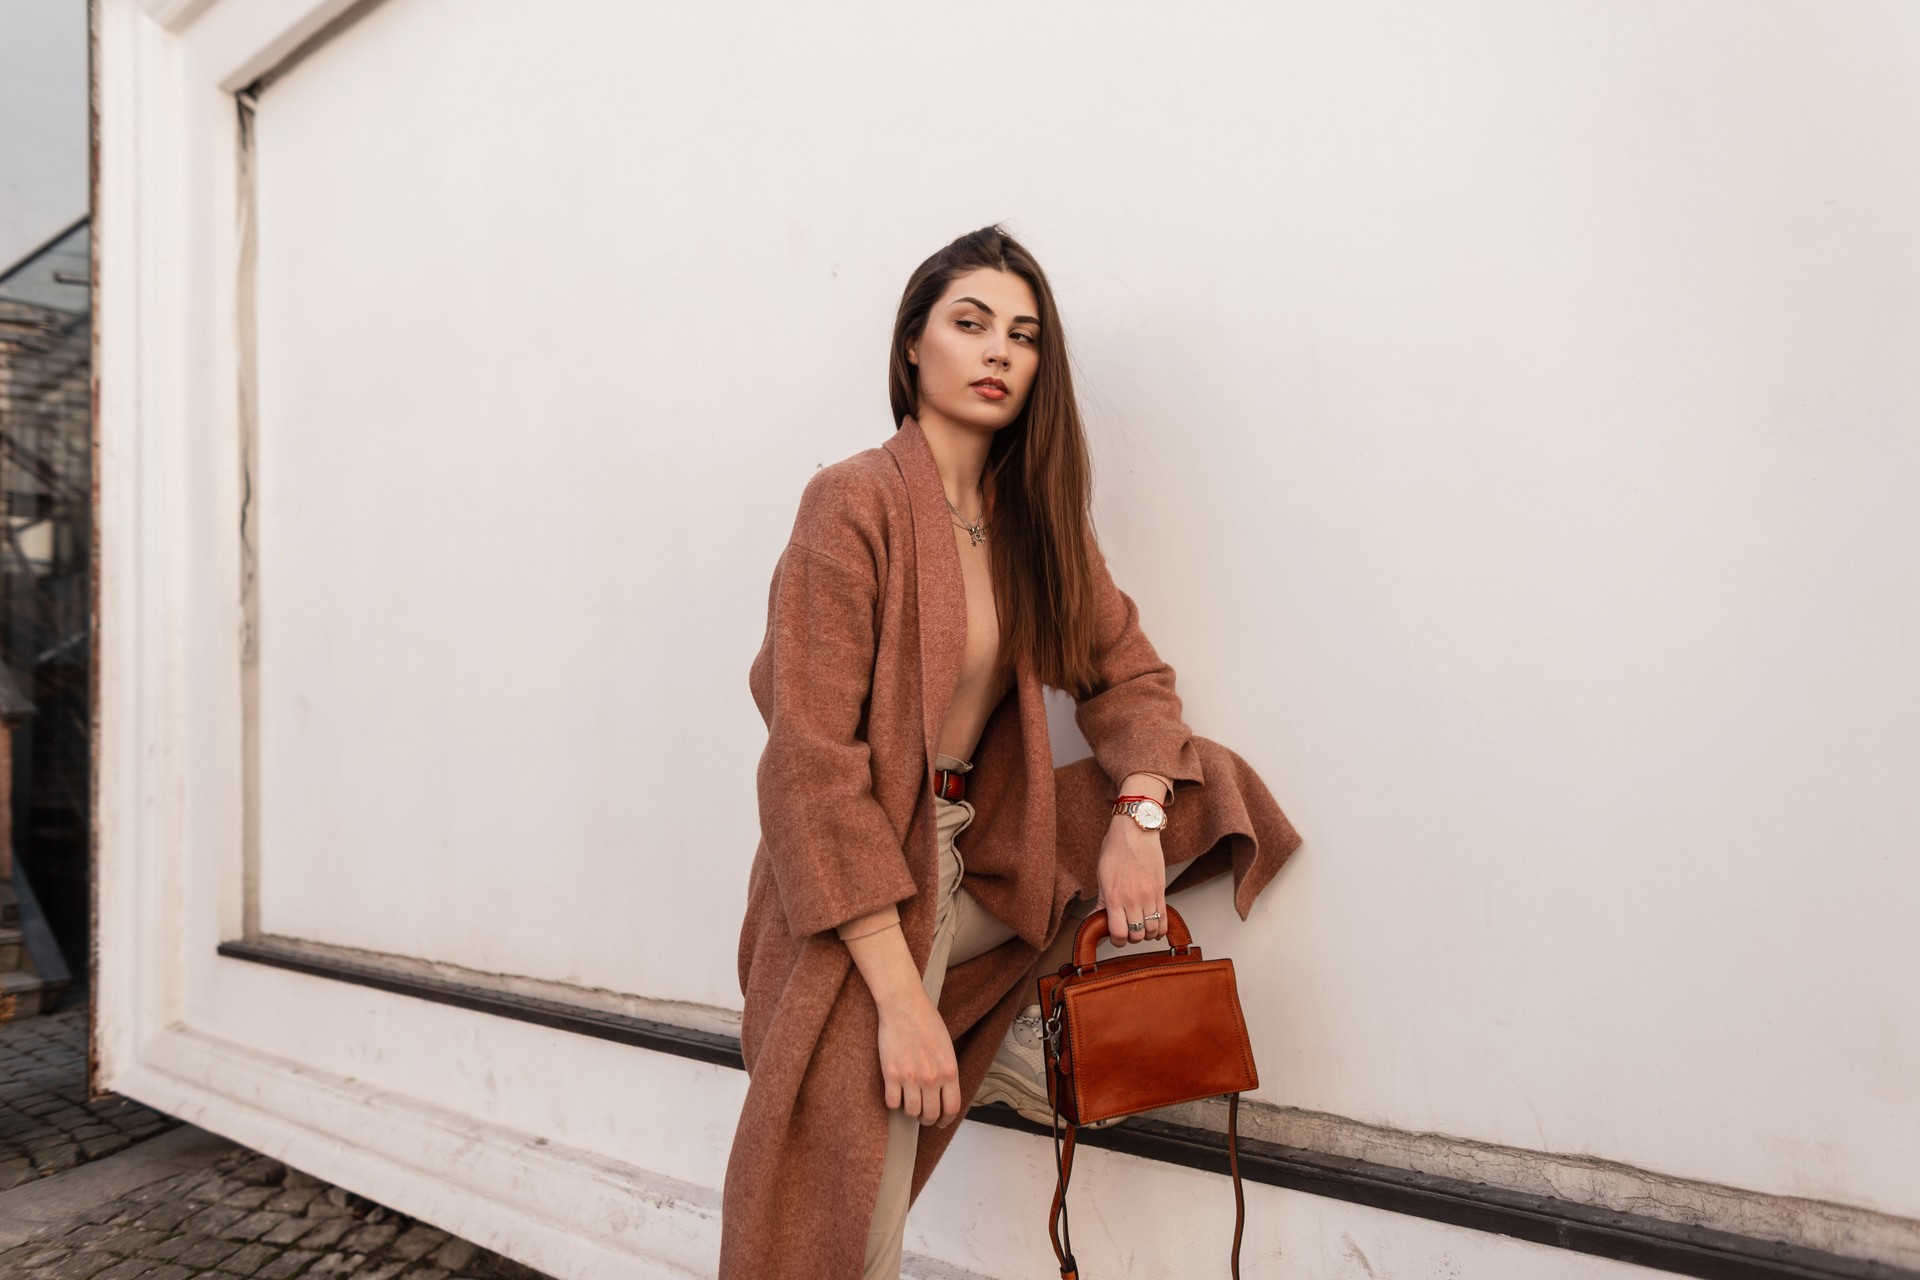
(983, 680)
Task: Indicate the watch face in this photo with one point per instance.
(1152, 816)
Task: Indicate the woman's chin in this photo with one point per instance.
(984, 414)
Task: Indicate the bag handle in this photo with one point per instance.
(1094, 928)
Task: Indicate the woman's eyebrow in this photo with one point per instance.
(989, 310)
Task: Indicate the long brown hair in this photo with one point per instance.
(1038, 476)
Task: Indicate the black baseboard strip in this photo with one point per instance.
(662, 1037)
(1562, 1224)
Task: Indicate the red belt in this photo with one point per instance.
(949, 785)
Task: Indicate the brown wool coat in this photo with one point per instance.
(866, 620)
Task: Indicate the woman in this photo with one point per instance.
(931, 586)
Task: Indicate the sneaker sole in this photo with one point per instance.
(995, 1088)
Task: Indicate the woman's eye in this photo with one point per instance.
(1018, 333)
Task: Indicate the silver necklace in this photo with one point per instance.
(976, 529)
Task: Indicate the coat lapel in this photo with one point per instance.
(938, 583)
(1012, 849)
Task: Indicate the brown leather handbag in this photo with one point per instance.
(1135, 1032)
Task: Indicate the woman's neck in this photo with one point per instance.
(960, 456)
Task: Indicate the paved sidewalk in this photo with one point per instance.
(46, 1122)
(220, 1212)
(96, 1195)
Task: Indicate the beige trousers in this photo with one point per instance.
(962, 929)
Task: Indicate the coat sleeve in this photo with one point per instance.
(833, 852)
(1132, 718)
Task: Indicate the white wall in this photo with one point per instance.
(43, 122)
(1506, 423)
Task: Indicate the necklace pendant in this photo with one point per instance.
(977, 533)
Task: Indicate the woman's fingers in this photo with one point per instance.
(937, 1101)
(930, 1094)
(944, 1101)
(923, 1097)
(1154, 913)
(1123, 910)
(1144, 906)
(1120, 914)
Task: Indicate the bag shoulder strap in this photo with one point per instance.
(1057, 1228)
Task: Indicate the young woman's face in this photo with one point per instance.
(986, 326)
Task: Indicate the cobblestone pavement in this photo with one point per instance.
(245, 1215)
(218, 1212)
(46, 1122)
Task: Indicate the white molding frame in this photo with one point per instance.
(541, 1202)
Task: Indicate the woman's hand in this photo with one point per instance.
(1133, 881)
(916, 1053)
(917, 1060)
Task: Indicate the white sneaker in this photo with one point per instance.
(1018, 1073)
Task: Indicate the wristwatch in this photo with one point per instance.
(1144, 810)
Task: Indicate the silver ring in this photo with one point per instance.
(1154, 916)
(1131, 925)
